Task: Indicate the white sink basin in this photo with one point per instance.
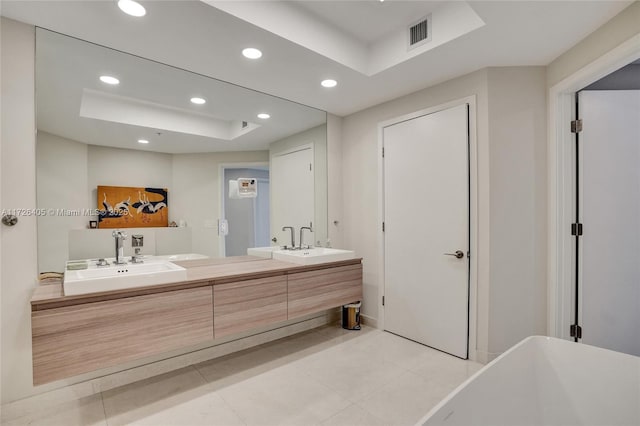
(262, 251)
(117, 277)
(314, 255)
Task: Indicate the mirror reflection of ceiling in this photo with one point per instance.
(152, 102)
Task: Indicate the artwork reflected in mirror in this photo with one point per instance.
(128, 207)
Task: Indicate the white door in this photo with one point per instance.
(426, 199)
(292, 193)
(261, 215)
(610, 214)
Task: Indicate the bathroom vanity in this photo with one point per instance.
(220, 297)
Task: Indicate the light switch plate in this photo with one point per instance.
(223, 227)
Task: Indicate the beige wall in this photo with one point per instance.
(19, 250)
(517, 146)
(61, 180)
(126, 167)
(335, 227)
(619, 29)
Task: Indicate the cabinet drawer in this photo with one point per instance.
(315, 291)
(244, 305)
(77, 339)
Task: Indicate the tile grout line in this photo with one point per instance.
(324, 419)
(232, 409)
(104, 409)
(355, 404)
(207, 382)
(338, 391)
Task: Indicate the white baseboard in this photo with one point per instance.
(478, 356)
(370, 321)
(486, 357)
(112, 379)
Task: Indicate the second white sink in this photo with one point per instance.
(262, 251)
(116, 277)
(314, 255)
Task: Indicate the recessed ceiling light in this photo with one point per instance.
(329, 83)
(263, 116)
(109, 79)
(251, 53)
(132, 8)
(198, 101)
(143, 141)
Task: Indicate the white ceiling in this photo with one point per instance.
(320, 28)
(202, 38)
(368, 21)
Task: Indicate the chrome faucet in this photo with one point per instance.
(302, 229)
(119, 236)
(137, 243)
(293, 237)
(136, 257)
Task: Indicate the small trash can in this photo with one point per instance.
(351, 316)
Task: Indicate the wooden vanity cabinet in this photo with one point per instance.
(76, 339)
(318, 290)
(244, 305)
(78, 334)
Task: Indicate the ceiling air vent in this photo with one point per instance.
(420, 32)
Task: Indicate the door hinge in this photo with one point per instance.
(575, 331)
(576, 229)
(382, 226)
(309, 166)
(383, 152)
(576, 126)
(382, 300)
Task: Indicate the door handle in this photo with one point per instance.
(458, 254)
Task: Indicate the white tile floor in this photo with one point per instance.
(327, 376)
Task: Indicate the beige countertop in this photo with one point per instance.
(200, 272)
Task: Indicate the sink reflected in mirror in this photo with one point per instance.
(265, 252)
(313, 256)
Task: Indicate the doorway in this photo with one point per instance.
(246, 219)
(607, 293)
(563, 266)
(292, 192)
(427, 223)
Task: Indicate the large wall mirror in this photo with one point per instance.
(146, 133)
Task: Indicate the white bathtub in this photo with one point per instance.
(547, 381)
